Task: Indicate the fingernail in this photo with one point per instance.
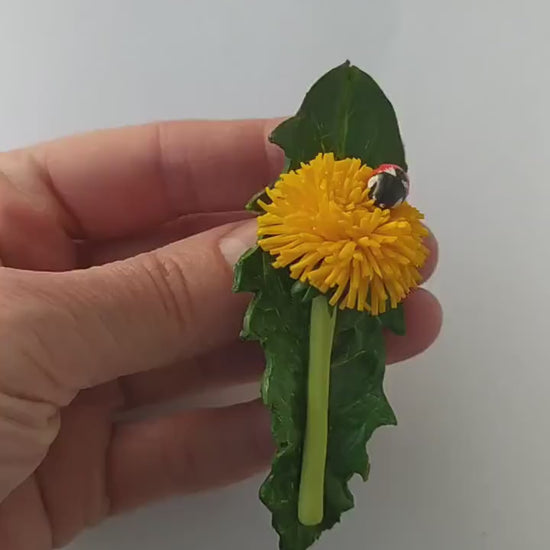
(276, 159)
(238, 241)
(275, 154)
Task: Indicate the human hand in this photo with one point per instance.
(115, 293)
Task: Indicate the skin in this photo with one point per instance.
(116, 250)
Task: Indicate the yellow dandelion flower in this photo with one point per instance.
(322, 224)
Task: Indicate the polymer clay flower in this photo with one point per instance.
(339, 248)
(324, 225)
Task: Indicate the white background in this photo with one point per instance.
(468, 466)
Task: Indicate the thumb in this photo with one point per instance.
(148, 311)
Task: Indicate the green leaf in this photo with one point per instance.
(304, 291)
(280, 321)
(345, 113)
(394, 320)
(252, 205)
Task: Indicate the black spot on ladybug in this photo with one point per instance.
(388, 186)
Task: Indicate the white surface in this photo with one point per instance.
(467, 467)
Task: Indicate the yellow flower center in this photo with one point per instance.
(322, 224)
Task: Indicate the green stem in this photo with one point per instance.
(312, 480)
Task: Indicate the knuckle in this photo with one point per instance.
(171, 287)
(29, 396)
(4, 289)
(27, 355)
(180, 460)
(31, 425)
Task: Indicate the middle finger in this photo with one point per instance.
(93, 253)
(234, 364)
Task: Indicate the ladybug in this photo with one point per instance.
(388, 186)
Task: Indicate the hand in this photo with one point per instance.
(115, 293)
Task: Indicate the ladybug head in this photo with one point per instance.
(388, 186)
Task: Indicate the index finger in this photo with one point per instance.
(120, 182)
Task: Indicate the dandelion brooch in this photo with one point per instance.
(339, 248)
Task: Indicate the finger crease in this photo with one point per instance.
(41, 492)
(173, 289)
(160, 168)
(69, 220)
